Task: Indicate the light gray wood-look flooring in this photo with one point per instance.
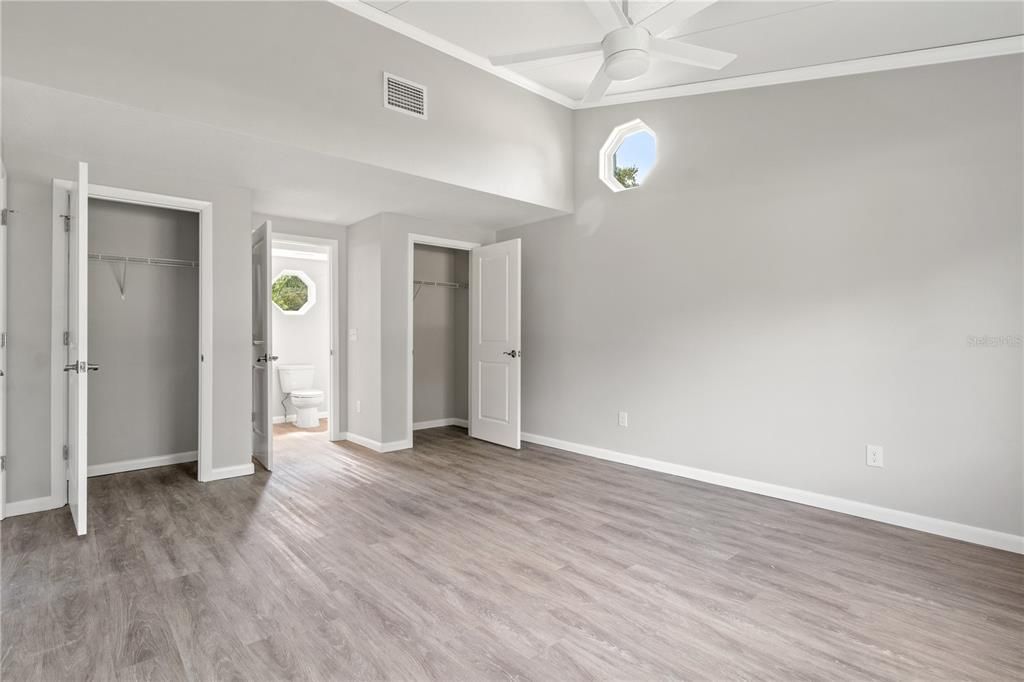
(465, 561)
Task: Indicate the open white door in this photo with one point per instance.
(262, 348)
(3, 339)
(78, 367)
(494, 344)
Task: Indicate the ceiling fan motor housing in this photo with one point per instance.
(626, 53)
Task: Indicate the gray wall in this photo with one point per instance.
(306, 74)
(364, 347)
(29, 327)
(31, 172)
(144, 401)
(378, 275)
(440, 336)
(800, 276)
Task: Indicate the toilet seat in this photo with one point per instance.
(307, 393)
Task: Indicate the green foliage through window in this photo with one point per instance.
(289, 293)
(626, 175)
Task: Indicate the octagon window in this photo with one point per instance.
(293, 292)
(628, 155)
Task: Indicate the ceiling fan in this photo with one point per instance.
(629, 46)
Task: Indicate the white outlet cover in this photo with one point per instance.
(623, 419)
(874, 456)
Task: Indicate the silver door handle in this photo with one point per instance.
(512, 353)
(79, 367)
(263, 358)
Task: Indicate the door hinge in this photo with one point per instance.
(3, 339)
(5, 215)
(67, 338)
(67, 221)
(3, 462)
(65, 453)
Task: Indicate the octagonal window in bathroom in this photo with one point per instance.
(293, 292)
(628, 156)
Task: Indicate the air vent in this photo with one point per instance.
(405, 96)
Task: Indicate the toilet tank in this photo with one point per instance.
(295, 377)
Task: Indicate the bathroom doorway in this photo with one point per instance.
(303, 283)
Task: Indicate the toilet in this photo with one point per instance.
(297, 384)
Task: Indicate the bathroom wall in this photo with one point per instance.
(440, 336)
(304, 339)
(144, 400)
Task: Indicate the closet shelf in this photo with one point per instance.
(144, 260)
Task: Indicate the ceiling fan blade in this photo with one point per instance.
(685, 53)
(550, 53)
(598, 87)
(668, 19)
(608, 13)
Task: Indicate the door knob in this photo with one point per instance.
(263, 358)
(93, 368)
(71, 367)
(512, 353)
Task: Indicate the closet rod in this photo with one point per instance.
(445, 285)
(169, 262)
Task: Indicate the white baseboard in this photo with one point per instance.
(292, 417)
(895, 517)
(31, 506)
(376, 445)
(435, 423)
(142, 463)
(231, 472)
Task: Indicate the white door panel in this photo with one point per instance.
(495, 337)
(262, 348)
(77, 367)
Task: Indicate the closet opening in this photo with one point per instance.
(304, 331)
(143, 322)
(440, 336)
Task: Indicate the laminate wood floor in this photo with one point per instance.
(465, 561)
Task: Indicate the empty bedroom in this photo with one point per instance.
(512, 339)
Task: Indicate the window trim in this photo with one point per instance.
(606, 159)
(310, 291)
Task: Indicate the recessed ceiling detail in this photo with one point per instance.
(770, 38)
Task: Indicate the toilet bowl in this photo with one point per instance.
(297, 384)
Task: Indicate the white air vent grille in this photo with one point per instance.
(405, 96)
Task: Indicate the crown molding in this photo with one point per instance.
(451, 49)
(900, 60)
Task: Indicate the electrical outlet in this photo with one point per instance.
(875, 456)
(359, 406)
(623, 419)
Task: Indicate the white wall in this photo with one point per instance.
(440, 336)
(305, 228)
(304, 339)
(800, 276)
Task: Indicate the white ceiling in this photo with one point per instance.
(768, 35)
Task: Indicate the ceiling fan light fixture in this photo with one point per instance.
(627, 64)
